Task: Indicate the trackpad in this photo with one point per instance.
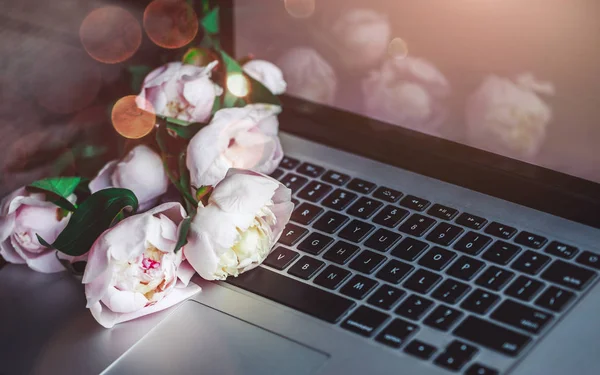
(196, 339)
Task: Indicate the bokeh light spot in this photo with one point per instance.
(130, 120)
(170, 23)
(110, 34)
(300, 8)
(398, 48)
(238, 84)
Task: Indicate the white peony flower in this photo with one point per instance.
(266, 73)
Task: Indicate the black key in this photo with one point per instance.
(409, 249)
(520, 316)
(530, 240)
(306, 267)
(314, 191)
(293, 181)
(524, 288)
(390, 216)
(387, 194)
(479, 369)
(340, 252)
(456, 355)
(414, 203)
(382, 240)
(315, 243)
(358, 287)
(396, 333)
(530, 262)
(500, 230)
(494, 278)
(364, 207)
(292, 234)
(280, 258)
(331, 277)
(492, 336)
(385, 297)
(417, 225)
(330, 222)
(339, 199)
(310, 170)
(437, 258)
(422, 281)
(306, 213)
(362, 186)
(414, 307)
(472, 243)
(356, 230)
(465, 268)
(295, 201)
(364, 321)
(277, 173)
(289, 163)
(335, 178)
(471, 221)
(587, 258)
(442, 318)
(442, 212)
(420, 349)
(569, 275)
(394, 271)
(561, 250)
(450, 291)
(554, 298)
(367, 261)
(293, 293)
(501, 252)
(480, 301)
(444, 234)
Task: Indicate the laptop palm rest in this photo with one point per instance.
(197, 339)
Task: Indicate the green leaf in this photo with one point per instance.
(186, 132)
(210, 22)
(95, 215)
(184, 229)
(138, 73)
(58, 190)
(260, 94)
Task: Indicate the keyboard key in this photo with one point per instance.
(587, 258)
(444, 234)
(414, 307)
(479, 369)
(382, 240)
(367, 261)
(415, 203)
(339, 199)
(289, 163)
(390, 216)
(520, 316)
(409, 249)
(494, 278)
(442, 318)
(293, 293)
(361, 186)
(306, 213)
(330, 222)
(456, 355)
(554, 298)
(492, 336)
(315, 243)
(501, 252)
(480, 301)
(356, 231)
(450, 291)
(417, 225)
(569, 275)
(280, 258)
(524, 288)
(437, 258)
(277, 173)
(561, 250)
(472, 243)
(530, 262)
(335, 178)
(500, 230)
(364, 207)
(332, 277)
(442, 212)
(531, 240)
(396, 333)
(387, 194)
(314, 191)
(364, 321)
(422, 281)
(465, 268)
(293, 181)
(340, 252)
(306, 267)
(394, 271)
(310, 170)
(420, 349)
(385, 297)
(292, 234)
(471, 221)
(358, 287)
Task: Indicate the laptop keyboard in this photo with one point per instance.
(383, 263)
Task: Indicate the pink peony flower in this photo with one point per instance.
(266, 73)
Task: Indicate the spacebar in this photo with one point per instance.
(292, 293)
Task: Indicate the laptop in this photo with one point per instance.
(415, 247)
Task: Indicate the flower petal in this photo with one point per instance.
(103, 178)
(243, 193)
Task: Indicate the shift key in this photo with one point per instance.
(491, 336)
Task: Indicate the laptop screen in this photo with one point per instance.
(520, 78)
